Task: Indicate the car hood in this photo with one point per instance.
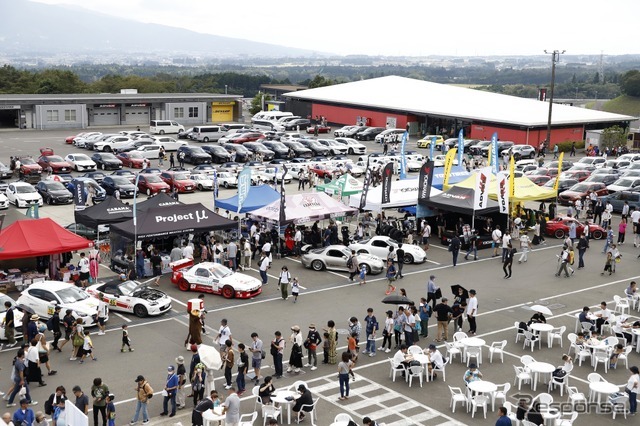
(363, 257)
(28, 196)
(147, 293)
(60, 192)
(241, 282)
(88, 306)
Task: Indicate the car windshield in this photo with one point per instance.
(197, 150)
(25, 189)
(218, 271)
(135, 155)
(120, 180)
(55, 158)
(181, 176)
(153, 178)
(297, 145)
(27, 161)
(97, 175)
(624, 182)
(71, 294)
(580, 187)
(81, 157)
(218, 149)
(224, 175)
(108, 157)
(55, 186)
(128, 287)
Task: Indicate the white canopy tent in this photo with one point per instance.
(303, 208)
(403, 193)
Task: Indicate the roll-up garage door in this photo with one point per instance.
(106, 116)
(136, 115)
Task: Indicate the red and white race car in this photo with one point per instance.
(210, 277)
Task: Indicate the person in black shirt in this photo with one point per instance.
(9, 326)
(156, 265)
(583, 244)
(68, 322)
(305, 399)
(55, 327)
(508, 261)
(443, 314)
(204, 405)
(400, 260)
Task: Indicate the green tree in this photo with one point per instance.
(612, 137)
(320, 81)
(256, 102)
(630, 83)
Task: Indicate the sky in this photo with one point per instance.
(400, 27)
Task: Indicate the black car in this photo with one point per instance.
(369, 133)
(607, 179)
(121, 183)
(125, 173)
(106, 161)
(82, 230)
(150, 171)
(259, 148)
(298, 149)
(99, 194)
(218, 154)
(242, 153)
(280, 149)
(97, 176)
(316, 147)
(54, 192)
(476, 149)
(301, 123)
(562, 186)
(204, 168)
(194, 155)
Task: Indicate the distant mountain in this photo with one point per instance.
(37, 28)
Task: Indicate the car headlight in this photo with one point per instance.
(154, 303)
(82, 314)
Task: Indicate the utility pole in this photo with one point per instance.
(555, 57)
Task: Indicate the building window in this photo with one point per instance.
(52, 115)
(178, 112)
(69, 115)
(193, 112)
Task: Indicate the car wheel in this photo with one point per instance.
(225, 184)
(183, 284)
(367, 268)
(228, 292)
(162, 132)
(205, 139)
(558, 233)
(317, 265)
(107, 148)
(363, 252)
(149, 191)
(597, 235)
(407, 259)
(103, 166)
(351, 151)
(531, 156)
(49, 201)
(199, 187)
(140, 311)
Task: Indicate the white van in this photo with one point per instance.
(232, 126)
(165, 126)
(264, 125)
(208, 133)
(271, 115)
(397, 132)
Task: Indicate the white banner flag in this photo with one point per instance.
(503, 192)
(481, 193)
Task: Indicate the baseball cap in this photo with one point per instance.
(138, 379)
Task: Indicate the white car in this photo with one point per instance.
(335, 147)
(203, 181)
(151, 152)
(43, 297)
(113, 144)
(4, 202)
(169, 144)
(80, 162)
(354, 147)
(23, 194)
(624, 184)
(80, 140)
(227, 180)
(271, 173)
(210, 277)
(132, 297)
(438, 160)
(379, 246)
(17, 317)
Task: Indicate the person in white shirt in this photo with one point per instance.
(635, 220)
(224, 334)
(426, 233)
(266, 248)
(253, 230)
(603, 316)
(472, 311)
(297, 240)
(435, 358)
(264, 265)
(496, 236)
(246, 253)
(399, 359)
(506, 240)
(525, 248)
(187, 252)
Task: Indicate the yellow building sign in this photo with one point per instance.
(222, 112)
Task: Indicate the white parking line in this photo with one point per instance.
(121, 316)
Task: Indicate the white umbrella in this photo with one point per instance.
(542, 309)
(210, 357)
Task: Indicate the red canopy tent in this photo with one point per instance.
(38, 237)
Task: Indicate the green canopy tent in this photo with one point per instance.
(344, 186)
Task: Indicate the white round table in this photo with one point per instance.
(485, 387)
(214, 415)
(472, 342)
(340, 423)
(281, 398)
(538, 368)
(424, 361)
(542, 327)
(600, 388)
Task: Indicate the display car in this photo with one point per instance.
(43, 297)
(80, 162)
(119, 183)
(17, 317)
(53, 192)
(335, 258)
(483, 241)
(132, 297)
(150, 184)
(204, 182)
(227, 180)
(581, 190)
(426, 141)
(28, 167)
(22, 194)
(379, 246)
(319, 129)
(210, 277)
(4, 202)
(559, 228)
(132, 159)
(270, 174)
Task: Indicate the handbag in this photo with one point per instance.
(164, 392)
(438, 293)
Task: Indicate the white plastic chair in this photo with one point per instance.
(511, 412)
(439, 370)
(572, 337)
(582, 354)
(312, 413)
(622, 305)
(394, 370)
(528, 423)
(586, 328)
(497, 348)
(474, 352)
(543, 398)
(611, 341)
(526, 360)
(457, 396)
(591, 378)
(531, 339)
(248, 419)
(560, 382)
(619, 404)
(342, 417)
(255, 391)
(294, 386)
(624, 357)
(416, 371)
(575, 396)
(556, 334)
(415, 350)
(452, 351)
(519, 331)
(566, 419)
(500, 394)
(609, 323)
(457, 336)
(270, 412)
(522, 375)
(601, 356)
(479, 401)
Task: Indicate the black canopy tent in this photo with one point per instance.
(178, 219)
(160, 200)
(458, 200)
(108, 212)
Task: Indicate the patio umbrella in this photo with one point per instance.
(542, 309)
(396, 299)
(210, 357)
(456, 287)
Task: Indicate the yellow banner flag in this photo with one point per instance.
(555, 185)
(512, 178)
(489, 156)
(448, 162)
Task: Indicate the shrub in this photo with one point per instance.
(566, 145)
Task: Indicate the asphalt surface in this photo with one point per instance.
(329, 295)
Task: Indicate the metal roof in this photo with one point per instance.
(93, 97)
(424, 97)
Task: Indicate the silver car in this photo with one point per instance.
(335, 258)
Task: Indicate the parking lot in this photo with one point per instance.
(330, 295)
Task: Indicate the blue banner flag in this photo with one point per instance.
(244, 183)
(460, 146)
(432, 147)
(215, 185)
(494, 153)
(403, 157)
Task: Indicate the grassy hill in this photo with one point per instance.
(624, 104)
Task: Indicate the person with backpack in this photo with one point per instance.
(563, 258)
(352, 265)
(277, 350)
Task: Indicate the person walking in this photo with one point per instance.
(344, 369)
(473, 245)
(472, 311)
(20, 379)
(633, 384)
(224, 335)
(371, 328)
(169, 392)
(454, 248)
(277, 351)
(311, 344)
(283, 282)
(264, 266)
(256, 356)
(608, 239)
(295, 359)
(432, 291)
(563, 259)
(352, 264)
(525, 248)
(391, 277)
(144, 391)
(425, 313)
(443, 315)
(9, 326)
(161, 154)
(582, 246)
(99, 392)
(400, 260)
(508, 261)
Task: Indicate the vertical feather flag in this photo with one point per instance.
(448, 163)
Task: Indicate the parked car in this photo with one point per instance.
(335, 148)
(54, 192)
(227, 180)
(4, 201)
(132, 297)
(168, 143)
(82, 230)
(539, 180)
(559, 228)
(231, 167)
(150, 151)
(335, 258)
(242, 153)
(617, 200)
(476, 149)
(217, 153)
(606, 179)
(131, 159)
(520, 152)
(279, 149)
(576, 174)
(203, 181)
(379, 246)
(624, 184)
(270, 174)
(258, 148)
(179, 180)
(125, 173)
(581, 190)
(97, 176)
(151, 184)
(29, 168)
(298, 123)
(214, 278)
(347, 131)
(316, 128)
(80, 162)
(120, 183)
(353, 146)
(106, 161)
(194, 155)
(240, 138)
(185, 134)
(23, 194)
(596, 162)
(299, 150)
(369, 133)
(502, 146)
(99, 194)
(316, 147)
(425, 142)
(543, 171)
(562, 186)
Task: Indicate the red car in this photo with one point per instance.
(321, 129)
(57, 163)
(69, 139)
(152, 184)
(539, 180)
(246, 137)
(578, 174)
(581, 190)
(46, 151)
(179, 180)
(542, 171)
(559, 228)
(28, 166)
(131, 159)
(321, 170)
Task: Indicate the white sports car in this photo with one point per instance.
(335, 258)
(268, 175)
(210, 277)
(17, 317)
(43, 297)
(203, 182)
(379, 246)
(80, 162)
(226, 180)
(132, 297)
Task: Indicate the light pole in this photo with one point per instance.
(555, 57)
(225, 89)
(135, 215)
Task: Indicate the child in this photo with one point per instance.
(87, 348)
(325, 348)
(111, 410)
(391, 277)
(295, 289)
(363, 274)
(580, 340)
(617, 350)
(608, 264)
(353, 346)
(622, 228)
(125, 339)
